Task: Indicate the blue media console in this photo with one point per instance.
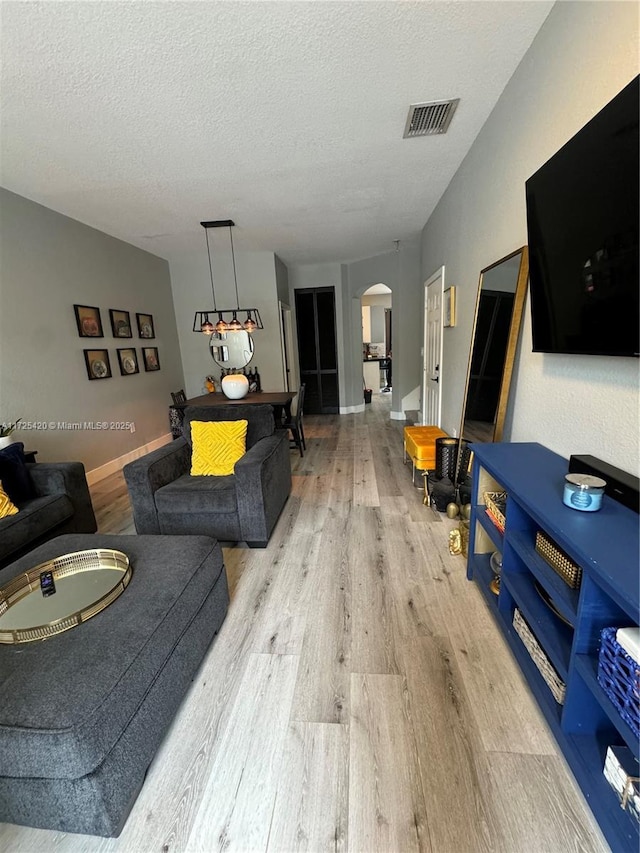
(605, 545)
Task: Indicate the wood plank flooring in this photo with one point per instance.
(358, 698)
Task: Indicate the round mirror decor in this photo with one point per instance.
(231, 350)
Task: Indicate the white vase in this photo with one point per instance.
(235, 386)
(5, 441)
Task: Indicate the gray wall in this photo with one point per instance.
(48, 263)
(377, 324)
(257, 288)
(282, 280)
(584, 54)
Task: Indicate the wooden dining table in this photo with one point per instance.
(279, 400)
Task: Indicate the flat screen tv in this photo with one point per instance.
(582, 223)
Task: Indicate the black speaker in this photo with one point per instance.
(621, 486)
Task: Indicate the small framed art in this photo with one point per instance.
(449, 307)
(120, 323)
(145, 326)
(88, 321)
(98, 365)
(128, 361)
(150, 358)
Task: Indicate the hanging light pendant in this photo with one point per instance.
(207, 327)
(202, 317)
(202, 322)
(221, 326)
(235, 325)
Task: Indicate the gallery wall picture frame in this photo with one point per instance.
(150, 358)
(145, 326)
(98, 364)
(88, 321)
(128, 361)
(120, 323)
(449, 307)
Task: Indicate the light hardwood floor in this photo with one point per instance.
(358, 697)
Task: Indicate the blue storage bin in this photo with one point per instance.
(619, 677)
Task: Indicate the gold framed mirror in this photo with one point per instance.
(496, 327)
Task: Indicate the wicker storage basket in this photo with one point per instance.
(619, 677)
(621, 772)
(496, 504)
(556, 684)
(561, 564)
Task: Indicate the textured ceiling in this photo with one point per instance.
(143, 118)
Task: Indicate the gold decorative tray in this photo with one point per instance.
(61, 593)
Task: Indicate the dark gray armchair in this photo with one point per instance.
(241, 507)
(61, 503)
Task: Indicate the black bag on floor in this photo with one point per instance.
(441, 491)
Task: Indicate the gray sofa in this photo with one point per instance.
(61, 504)
(242, 507)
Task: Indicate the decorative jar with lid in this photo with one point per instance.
(583, 492)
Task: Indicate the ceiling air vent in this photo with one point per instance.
(427, 119)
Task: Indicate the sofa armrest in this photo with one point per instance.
(68, 478)
(263, 484)
(146, 475)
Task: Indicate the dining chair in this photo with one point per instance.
(178, 397)
(295, 424)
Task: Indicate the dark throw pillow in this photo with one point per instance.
(15, 474)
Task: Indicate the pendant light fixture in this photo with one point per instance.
(202, 321)
(206, 326)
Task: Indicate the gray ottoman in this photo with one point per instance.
(83, 713)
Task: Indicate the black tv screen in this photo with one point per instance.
(582, 222)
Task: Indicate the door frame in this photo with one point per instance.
(319, 371)
(430, 282)
(289, 366)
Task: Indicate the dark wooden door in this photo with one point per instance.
(317, 350)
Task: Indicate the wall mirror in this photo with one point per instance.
(231, 349)
(496, 327)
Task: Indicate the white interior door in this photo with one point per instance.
(432, 362)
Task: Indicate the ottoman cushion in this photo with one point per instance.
(420, 445)
(82, 713)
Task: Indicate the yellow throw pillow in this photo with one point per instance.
(6, 507)
(217, 446)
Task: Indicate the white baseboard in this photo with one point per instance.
(118, 464)
(361, 407)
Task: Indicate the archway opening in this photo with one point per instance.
(377, 343)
